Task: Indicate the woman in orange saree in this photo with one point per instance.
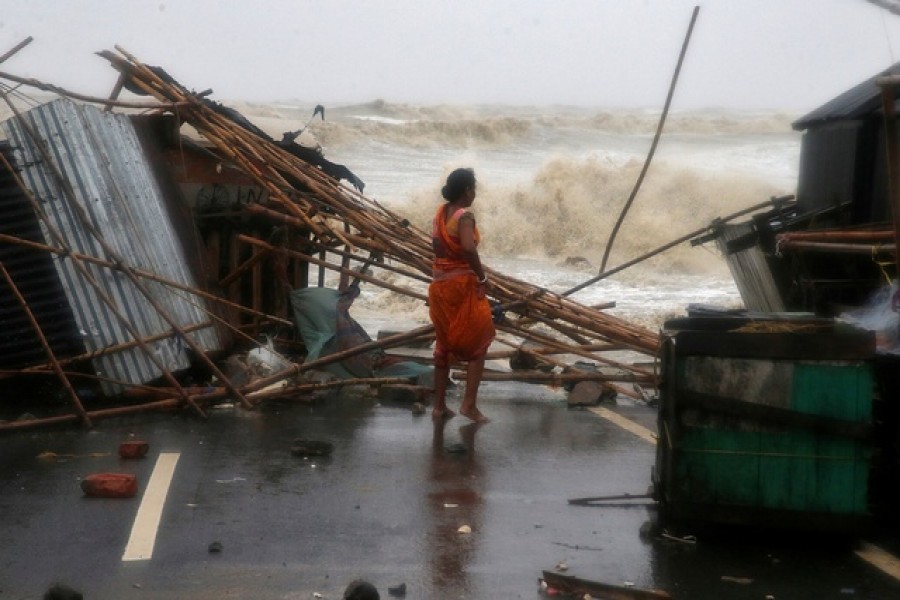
(457, 304)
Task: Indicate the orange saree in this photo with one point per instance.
(460, 313)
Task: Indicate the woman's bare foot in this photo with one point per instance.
(442, 413)
(474, 414)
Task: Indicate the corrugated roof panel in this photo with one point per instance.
(101, 158)
(857, 102)
(36, 280)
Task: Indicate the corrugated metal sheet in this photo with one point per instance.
(750, 271)
(857, 102)
(35, 279)
(100, 156)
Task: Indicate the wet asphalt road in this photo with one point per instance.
(386, 506)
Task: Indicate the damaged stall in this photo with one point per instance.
(87, 192)
(785, 415)
(766, 421)
(173, 236)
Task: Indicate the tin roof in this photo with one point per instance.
(105, 173)
(857, 102)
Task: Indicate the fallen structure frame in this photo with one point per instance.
(157, 288)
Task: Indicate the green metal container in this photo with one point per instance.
(766, 423)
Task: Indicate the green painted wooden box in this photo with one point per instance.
(767, 426)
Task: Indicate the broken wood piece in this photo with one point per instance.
(568, 584)
(589, 393)
(16, 48)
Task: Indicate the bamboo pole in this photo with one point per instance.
(655, 143)
(893, 161)
(241, 269)
(556, 379)
(333, 267)
(669, 245)
(15, 49)
(838, 247)
(387, 342)
(94, 415)
(93, 100)
(837, 235)
(111, 349)
(142, 274)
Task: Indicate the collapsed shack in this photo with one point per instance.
(134, 261)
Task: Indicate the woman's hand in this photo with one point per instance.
(481, 287)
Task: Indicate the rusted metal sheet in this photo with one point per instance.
(104, 171)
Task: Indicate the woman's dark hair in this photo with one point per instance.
(457, 183)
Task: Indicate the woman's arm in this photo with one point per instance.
(470, 249)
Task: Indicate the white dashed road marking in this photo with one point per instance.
(626, 424)
(146, 522)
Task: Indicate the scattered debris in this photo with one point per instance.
(133, 449)
(361, 590)
(110, 485)
(242, 221)
(573, 586)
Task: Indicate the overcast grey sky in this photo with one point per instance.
(752, 54)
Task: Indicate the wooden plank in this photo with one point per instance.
(773, 415)
(774, 346)
(573, 585)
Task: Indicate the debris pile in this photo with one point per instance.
(154, 325)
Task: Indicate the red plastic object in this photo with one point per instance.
(110, 485)
(133, 449)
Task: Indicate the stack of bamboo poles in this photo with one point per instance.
(355, 228)
(330, 208)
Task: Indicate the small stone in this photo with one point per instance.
(397, 590)
(464, 529)
(215, 547)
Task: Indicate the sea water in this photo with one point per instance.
(553, 180)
